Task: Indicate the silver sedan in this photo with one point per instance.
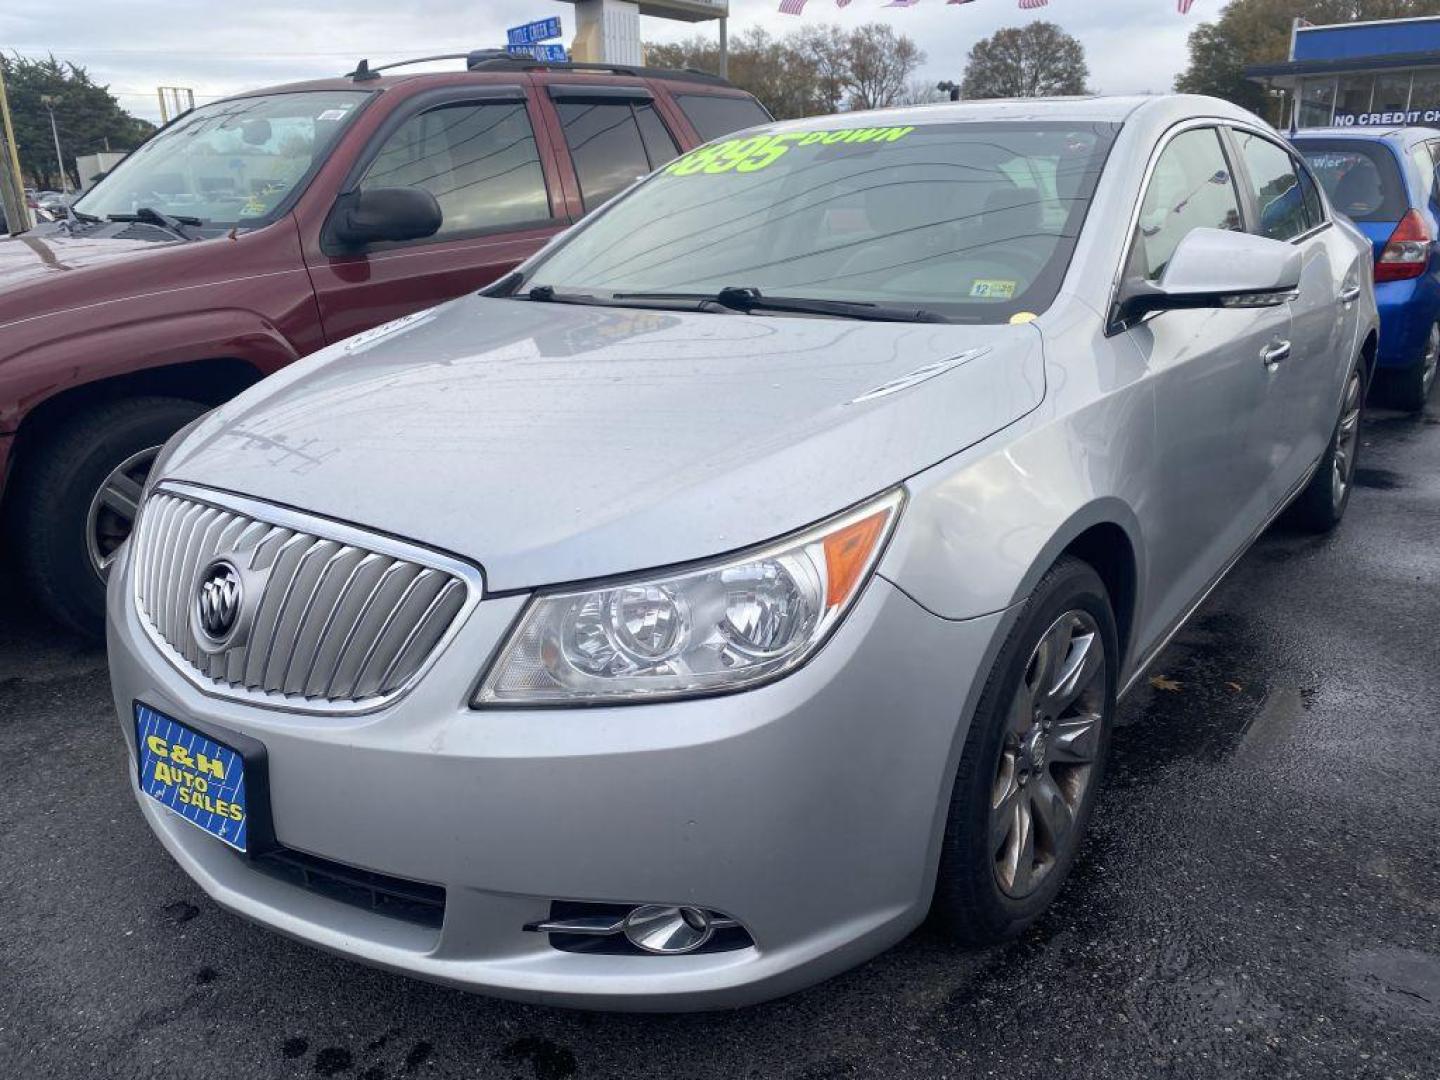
(756, 569)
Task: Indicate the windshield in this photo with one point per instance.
(231, 163)
(1362, 179)
(975, 221)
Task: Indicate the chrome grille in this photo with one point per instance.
(335, 619)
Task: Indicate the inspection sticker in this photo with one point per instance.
(992, 289)
(198, 778)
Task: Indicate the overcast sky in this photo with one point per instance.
(220, 48)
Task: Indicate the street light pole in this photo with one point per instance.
(50, 101)
(724, 47)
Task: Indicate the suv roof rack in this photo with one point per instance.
(500, 60)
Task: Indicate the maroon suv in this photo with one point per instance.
(255, 230)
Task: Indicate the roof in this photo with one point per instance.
(1062, 109)
(1376, 62)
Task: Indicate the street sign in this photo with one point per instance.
(550, 54)
(530, 33)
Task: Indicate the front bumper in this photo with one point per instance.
(810, 809)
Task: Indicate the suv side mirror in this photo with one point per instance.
(1216, 268)
(384, 215)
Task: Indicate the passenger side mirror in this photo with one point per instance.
(384, 215)
(1216, 268)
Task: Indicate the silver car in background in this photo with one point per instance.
(757, 568)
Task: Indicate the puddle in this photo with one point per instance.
(1379, 479)
(1395, 980)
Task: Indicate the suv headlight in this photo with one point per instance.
(732, 623)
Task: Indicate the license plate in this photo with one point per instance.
(192, 775)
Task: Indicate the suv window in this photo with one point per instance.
(1361, 178)
(612, 143)
(1191, 188)
(478, 159)
(714, 116)
(1284, 213)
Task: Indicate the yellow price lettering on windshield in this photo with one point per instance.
(756, 152)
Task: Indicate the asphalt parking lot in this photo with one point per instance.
(1260, 895)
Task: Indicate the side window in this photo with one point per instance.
(477, 158)
(659, 143)
(1191, 188)
(1284, 214)
(714, 116)
(607, 145)
(1314, 204)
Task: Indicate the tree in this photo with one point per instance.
(880, 65)
(1258, 32)
(1036, 60)
(810, 72)
(87, 116)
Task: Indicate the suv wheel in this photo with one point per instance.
(1033, 761)
(76, 500)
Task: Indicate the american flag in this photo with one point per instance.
(842, 3)
(792, 7)
(902, 3)
(1185, 6)
(959, 1)
(1029, 5)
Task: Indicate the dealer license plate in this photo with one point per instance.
(191, 774)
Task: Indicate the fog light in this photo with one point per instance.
(665, 930)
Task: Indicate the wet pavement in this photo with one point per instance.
(1259, 897)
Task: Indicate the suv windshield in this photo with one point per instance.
(231, 163)
(973, 221)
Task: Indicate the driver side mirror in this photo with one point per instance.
(384, 215)
(1214, 268)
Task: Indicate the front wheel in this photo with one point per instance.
(1321, 504)
(1032, 762)
(77, 497)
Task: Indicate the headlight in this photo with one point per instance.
(734, 623)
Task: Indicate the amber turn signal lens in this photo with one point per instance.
(848, 552)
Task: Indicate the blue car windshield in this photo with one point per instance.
(972, 221)
(1361, 178)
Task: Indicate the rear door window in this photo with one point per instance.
(1361, 178)
(714, 116)
(613, 142)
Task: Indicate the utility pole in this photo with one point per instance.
(50, 101)
(12, 188)
(724, 47)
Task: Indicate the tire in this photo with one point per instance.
(1321, 504)
(982, 894)
(1409, 388)
(65, 531)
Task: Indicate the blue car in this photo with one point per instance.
(1384, 180)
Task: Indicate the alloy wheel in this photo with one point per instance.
(1347, 437)
(1430, 362)
(113, 509)
(1052, 740)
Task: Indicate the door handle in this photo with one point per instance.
(1274, 353)
(1350, 295)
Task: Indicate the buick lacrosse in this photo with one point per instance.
(757, 568)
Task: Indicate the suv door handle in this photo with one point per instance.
(1274, 353)
(1350, 295)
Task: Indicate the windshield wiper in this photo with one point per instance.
(171, 223)
(546, 294)
(81, 216)
(747, 298)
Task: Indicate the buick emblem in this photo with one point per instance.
(217, 601)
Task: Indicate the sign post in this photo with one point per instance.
(608, 31)
(12, 188)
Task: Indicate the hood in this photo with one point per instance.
(42, 253)
(554, 443)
